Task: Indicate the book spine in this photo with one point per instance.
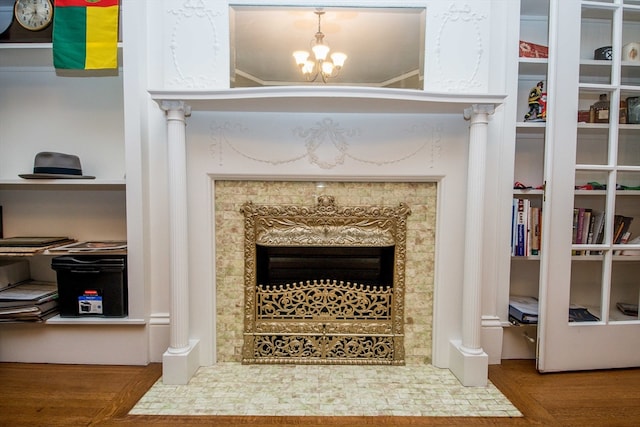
(590, 235)
(521, 228)
(574, 229)
(580, 229)
(514, 208)
(600, 229)
(536, 230)
(586, 226)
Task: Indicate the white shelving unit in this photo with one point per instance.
(581, 165)
(79, 113)
(82, 115)
(528, 170)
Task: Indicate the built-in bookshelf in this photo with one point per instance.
(520, 339)
(581, 166)
(607, 162)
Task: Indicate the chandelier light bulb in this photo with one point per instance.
(327, 68)
(320, 51)
(301, 57)
(307, 67)
(338, 59)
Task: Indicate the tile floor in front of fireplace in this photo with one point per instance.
(324, 390)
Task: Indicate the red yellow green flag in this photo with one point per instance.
(85, 34)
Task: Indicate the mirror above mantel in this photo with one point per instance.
(384, 46)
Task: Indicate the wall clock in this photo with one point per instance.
(33, 15)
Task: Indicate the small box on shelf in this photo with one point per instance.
(604, 53)
(533, 50)
(92, 285)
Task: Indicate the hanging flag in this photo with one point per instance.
(85, 34)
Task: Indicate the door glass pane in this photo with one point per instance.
(625, 287)
(629, 145)
(593, 144)
(586, 290)
(630, 69)
(595, 46)
(595, 105)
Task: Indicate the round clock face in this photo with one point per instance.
(33, 15)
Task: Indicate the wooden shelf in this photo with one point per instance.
(62, 184)
(29, 55)
(57, 320)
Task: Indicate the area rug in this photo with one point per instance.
(310, 390)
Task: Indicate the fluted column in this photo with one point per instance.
(474, 226)
(468, 361)
(176, 112)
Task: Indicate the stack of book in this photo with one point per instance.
(578, 313)
(523, 309)
(29, 301)
(588, 228)
(628, 309)
(621, 233)
(526, 232)
(589, 225)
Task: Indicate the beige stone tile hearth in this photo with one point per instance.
(311, 390)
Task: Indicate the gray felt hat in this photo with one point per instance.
(48, 165)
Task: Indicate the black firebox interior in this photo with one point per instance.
(292, 264)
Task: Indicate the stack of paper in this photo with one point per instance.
(29, 302)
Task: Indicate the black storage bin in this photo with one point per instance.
(92, 285)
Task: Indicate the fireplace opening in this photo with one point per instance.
(278, 265)
(324, 284)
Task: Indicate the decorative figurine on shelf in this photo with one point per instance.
(537, 104)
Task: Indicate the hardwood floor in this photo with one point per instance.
(83, 395)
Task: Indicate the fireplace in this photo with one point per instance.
(324, 284)
(381, 137)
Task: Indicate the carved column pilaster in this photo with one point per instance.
(176, 112)
(474, 225)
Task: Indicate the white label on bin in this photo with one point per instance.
(89, 304)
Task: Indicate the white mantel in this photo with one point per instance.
(333, 99)
(467, 359)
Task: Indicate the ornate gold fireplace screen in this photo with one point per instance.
(324, 321)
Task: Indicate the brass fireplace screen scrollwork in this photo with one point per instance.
(323, 320)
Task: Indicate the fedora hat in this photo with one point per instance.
(56, 165)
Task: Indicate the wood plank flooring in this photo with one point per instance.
(84, 395)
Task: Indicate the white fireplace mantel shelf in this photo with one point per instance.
(319, 99)
(468, 361)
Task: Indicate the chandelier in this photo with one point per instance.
(321, 67)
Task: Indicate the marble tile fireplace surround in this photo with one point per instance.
(413, 282)
(265, 146)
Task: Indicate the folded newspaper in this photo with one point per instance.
(93, 246)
